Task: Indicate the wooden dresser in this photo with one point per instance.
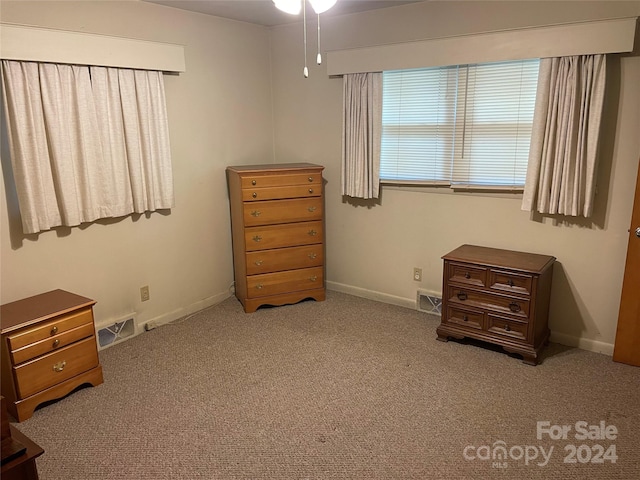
(48, 349)
(497, 296)
(277, 220)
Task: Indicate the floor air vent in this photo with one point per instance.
(429, 303)
(116, 332)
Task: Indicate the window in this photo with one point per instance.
(467, 126)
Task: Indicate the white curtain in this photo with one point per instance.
(562, 166)
(86, 142)
(361, 129)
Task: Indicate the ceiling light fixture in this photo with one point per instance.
(293, 7)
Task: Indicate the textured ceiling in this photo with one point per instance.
(264, 12)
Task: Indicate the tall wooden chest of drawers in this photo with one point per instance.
(498, 296)
(48, 349)
(277, 222)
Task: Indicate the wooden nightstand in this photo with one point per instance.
(48, 349)
(497, 296)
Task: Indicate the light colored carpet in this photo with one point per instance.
(343, 389)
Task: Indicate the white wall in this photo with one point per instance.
(372, 247)
(219, 114)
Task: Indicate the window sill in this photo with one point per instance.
(447, 188)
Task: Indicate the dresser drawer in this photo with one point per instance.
(466, 318)
(51, 328)
(280, 180)
(515, 306)
(282, 211)
(507, 327)
(285, 282)
(279, 236)
(468, 274)
(266, 261)
(510, 281)
(275, 193)
(37, 375)
(53, 343)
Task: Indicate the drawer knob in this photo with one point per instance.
(254, 194)
(313, 278)
(514, 307)
(312, 209)
(54, 330)
(312, 233)
(258, 262)
(510, 283)
(253, 182)
(312, 256)
(467, 275)
(311, 190)
(462, 296)
(507, 328)
(310, 179)
(256, 213)
(259, 286)
(58, 367)
(465, 318)
(257, 238)
(56, 342)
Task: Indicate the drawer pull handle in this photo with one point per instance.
(465, 318)
(258, 262)
(254, 194)
(312, 209)
(312, 256)
(507, 328)
(257, 238)
(54, 330)
(312, 233)
(313, 278)
(310, 179)
(514, 307)
(56, 342)
(467, 275)
(256, 213)
(58, 367)
(253, 182)
(462, 296)
(259, 286)
(510, 283)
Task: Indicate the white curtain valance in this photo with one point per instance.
(34, 44)
(598, 37)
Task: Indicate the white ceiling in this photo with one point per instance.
(264, 12)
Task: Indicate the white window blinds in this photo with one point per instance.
(465, 126)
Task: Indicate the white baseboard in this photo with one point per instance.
(372, 295)
(169, 317)
(556, 337)
(582, 343)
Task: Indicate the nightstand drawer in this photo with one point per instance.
(282, 211)
(279, 180)
(37, 375)
(465, 318)
(468, 274)
(51, 328)
(51, 344)
(279, 236)
(510, 281)
(467, 296)
(282, 282)
(507, 327)
(279, 259)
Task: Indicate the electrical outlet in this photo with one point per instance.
(417, 274)
(144, 293)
